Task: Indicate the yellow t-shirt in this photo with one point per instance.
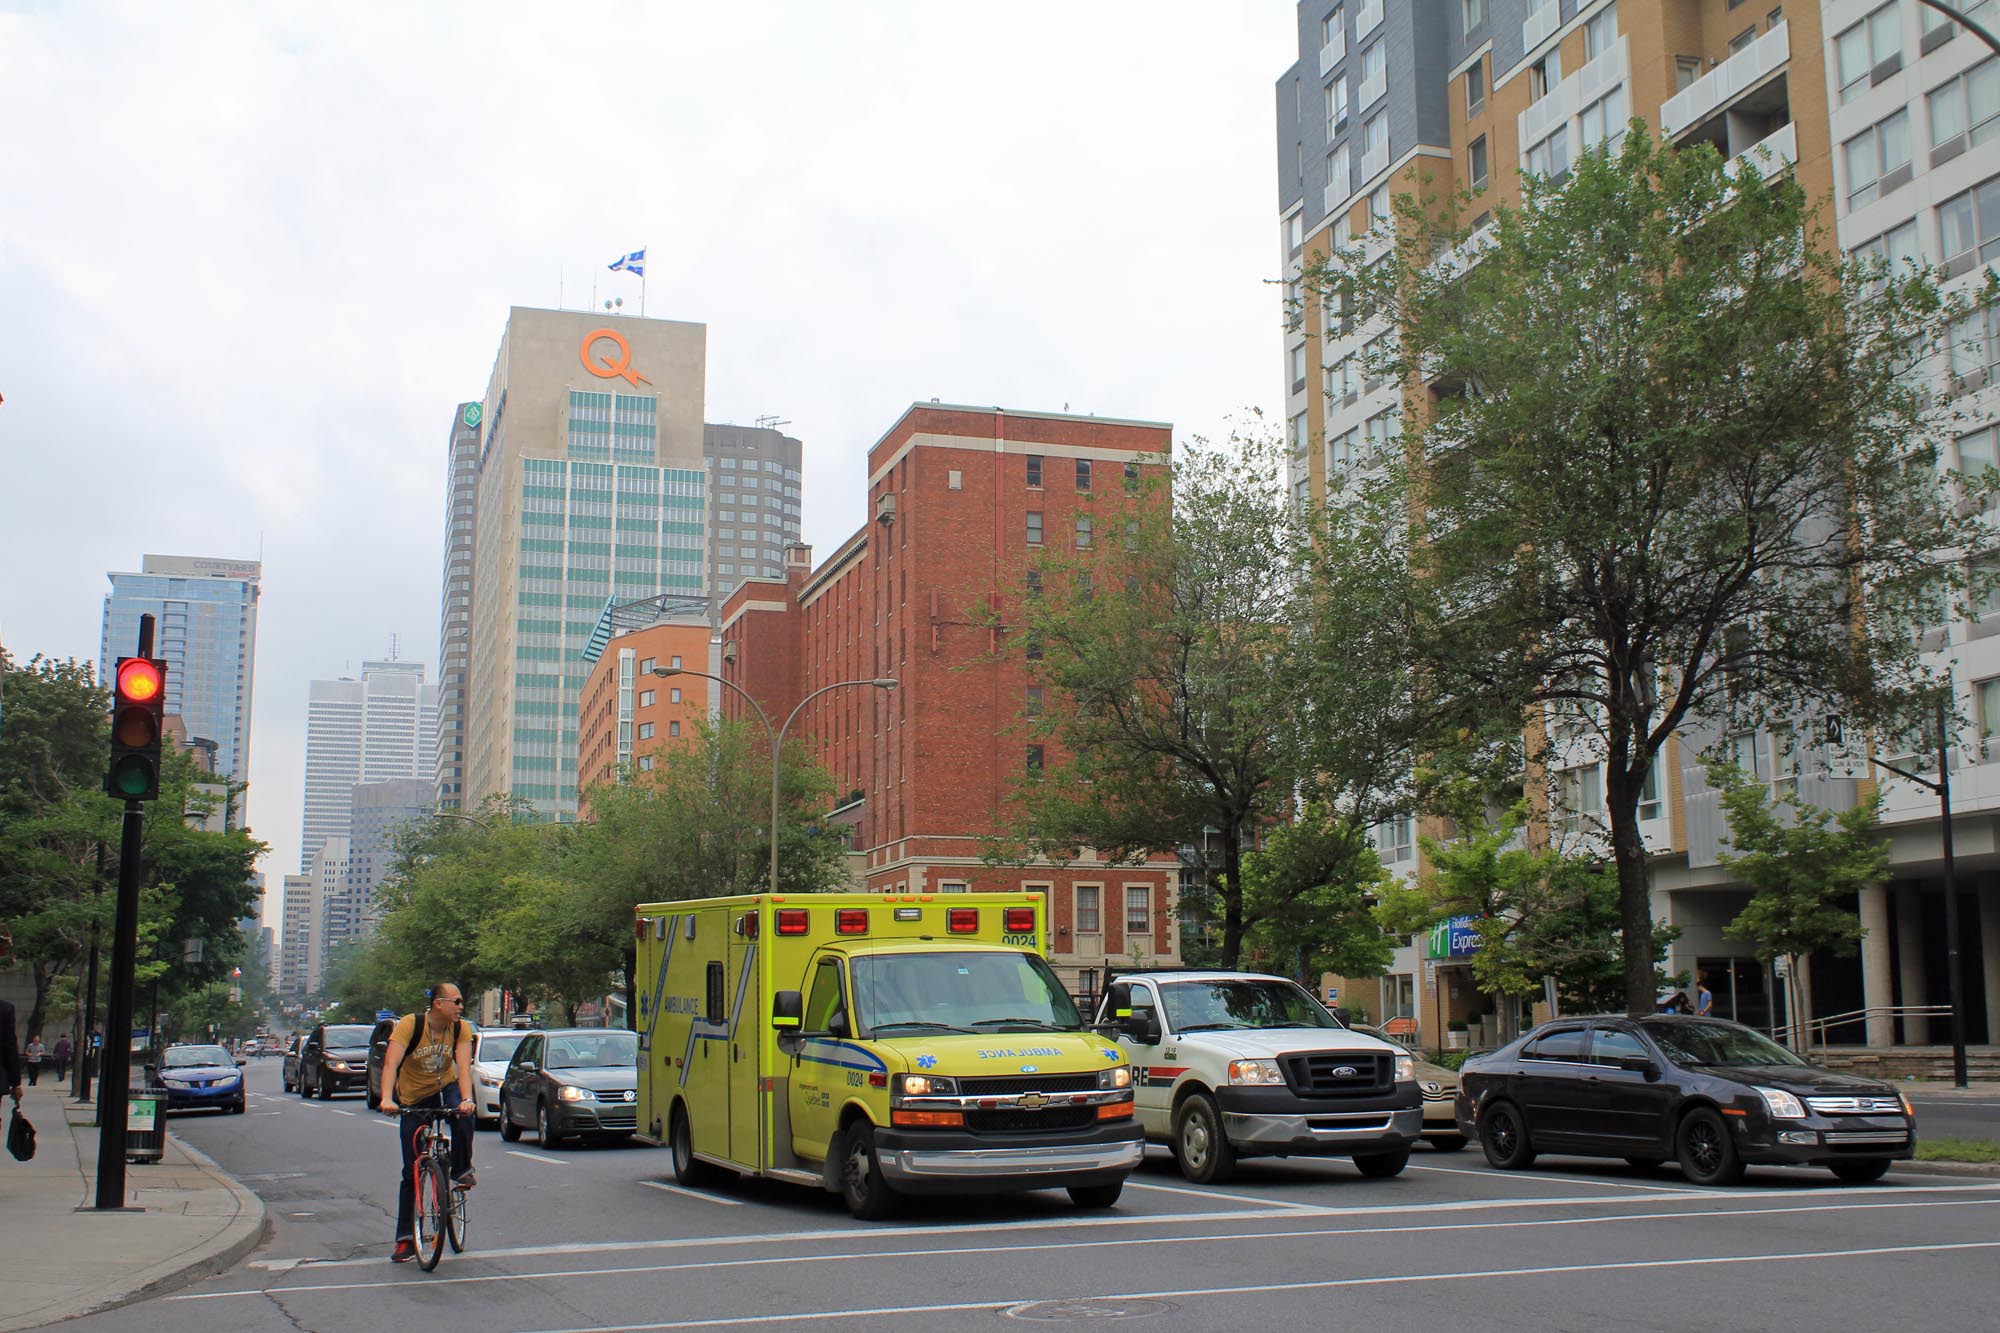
(428, 1067)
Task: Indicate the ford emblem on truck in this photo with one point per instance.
(1345, 1071)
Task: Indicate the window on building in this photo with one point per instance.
(1397, 837)
(1295, 239)
(674, 695)
(673, 728)
(1088, 898)
(1604, 121)
(1299, 368)
(1131, 534)
(645, 666)
(1031, 705)
(1082, 532)
(1600, 31)
(645, 698)
(1032, 648)
(1374, 71)
(1579, 797)
(1969, 227)
(1378, 207)
(1649, 791)
(1978, 456)
(1034, 469)
(1545, 75)
(1878, 159)
(645, 763)
(1374, 139)
(1784, 761)
(1138, 909)
(1965, 112)
(1131, 478)
(1874, 43)
(1333, 26)
(1336, 107)
(1033, 580)
(1473, 12)
(1987, 694)
(1475, 163)
(1034, 527)
(645, 731)
(1892, 255)
(1083, 474)
(1741, 41)
(1686, 70)
(1475, 88)
(1550, 157)
(1032, 761)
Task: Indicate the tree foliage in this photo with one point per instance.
(1310, 891)
(1669, 460)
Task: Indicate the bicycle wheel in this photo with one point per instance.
(433, 1212)
(456, 1219)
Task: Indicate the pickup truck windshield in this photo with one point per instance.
(1214, 1006)
(917, 993)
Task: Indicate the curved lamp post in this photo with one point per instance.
(775, 735)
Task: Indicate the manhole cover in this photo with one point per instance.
(1063, 1312)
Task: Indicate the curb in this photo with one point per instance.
(1987, 1169)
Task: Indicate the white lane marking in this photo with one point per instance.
(1563, 1180)
(1131, 1184)
(822, 1235)
(1217, 1237)
(1948, 1103)
(337, 1111)
(536, 1157)
(267, 1113)
(1262, 1288)
(692, 1194)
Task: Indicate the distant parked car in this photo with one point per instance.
(571, 1082)
(1440, 1090)
(196, 1077)
(289, 1073)
(334, 1059)
(1717, 1096)
(492, 1049)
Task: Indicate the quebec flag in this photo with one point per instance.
(632, 263)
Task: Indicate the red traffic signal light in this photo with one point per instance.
(138, 721)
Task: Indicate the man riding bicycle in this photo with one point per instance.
(429, 1066)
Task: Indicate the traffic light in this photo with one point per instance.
(138, 717)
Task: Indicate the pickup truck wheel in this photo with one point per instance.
(689, 1170)
(509, 1131)
(1382, 1165)
(1200, 1145)
(1095, 1196)
(868, 1196)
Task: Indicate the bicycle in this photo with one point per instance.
(442, 1212)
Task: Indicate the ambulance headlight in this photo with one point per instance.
(1119, 1076)
(926, 1085)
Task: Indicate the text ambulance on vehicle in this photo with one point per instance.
(871, 1044)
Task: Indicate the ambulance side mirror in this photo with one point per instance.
(788, 1007)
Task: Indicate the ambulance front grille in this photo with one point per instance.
(1030, 1122)
(1015, 1084)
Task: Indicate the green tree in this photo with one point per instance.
(1801, 862)
(1665, 457)
(1311, 890)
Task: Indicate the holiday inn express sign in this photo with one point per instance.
(1456, 938)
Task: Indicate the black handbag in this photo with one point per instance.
(20, 1136)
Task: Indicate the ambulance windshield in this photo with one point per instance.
(912, 994)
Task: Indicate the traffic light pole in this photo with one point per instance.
(115, 1074)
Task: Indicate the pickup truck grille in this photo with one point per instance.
(1015, 1084)
(1337, 1074)
(1030, 1122)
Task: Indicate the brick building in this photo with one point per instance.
(961, 501)
(627, 714)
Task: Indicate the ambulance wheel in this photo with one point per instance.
(689, 1170)
(868, 1196)
(1096, 1196)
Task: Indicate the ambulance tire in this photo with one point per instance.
(689, 1170)
(1096, 1196)
(868, 1196)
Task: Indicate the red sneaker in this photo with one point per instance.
(406, 1250)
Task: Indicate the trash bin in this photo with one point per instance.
(145, 1125)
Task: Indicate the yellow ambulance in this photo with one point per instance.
(874, 1045)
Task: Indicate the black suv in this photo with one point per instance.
(334, 1059)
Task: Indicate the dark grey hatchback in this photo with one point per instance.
(572, 1083)
(1715, 1096)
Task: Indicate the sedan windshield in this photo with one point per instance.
(907, 994)
(348, 1034)
(595, 1050)
(1210, 1006)
(1716, 1043)
(188, 1057)
(497, 1047)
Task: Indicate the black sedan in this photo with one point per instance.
(1716, 1096)
(572, 1082)
(334, 1059)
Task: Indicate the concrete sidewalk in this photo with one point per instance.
(64, 1258)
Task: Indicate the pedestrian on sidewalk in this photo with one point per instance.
(34, 1054)
(10, 1054)
(60, 1054)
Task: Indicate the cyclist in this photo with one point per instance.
(437, 1073)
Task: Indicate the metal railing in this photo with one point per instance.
(1815, 1029)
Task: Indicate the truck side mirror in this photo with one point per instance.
(1141, 1028)
(788, 1008)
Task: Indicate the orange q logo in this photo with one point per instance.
(607, 369)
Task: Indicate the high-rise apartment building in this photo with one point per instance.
(333, 915)
(455, 602)
(295, 935)
(205, 627)
(589, 492)
(380, 811)
(380, 727)
(753, 510)
(1888, 115)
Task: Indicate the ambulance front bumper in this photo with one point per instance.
(944, 1162)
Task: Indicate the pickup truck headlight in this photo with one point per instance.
(926, 1085)
(1119, 1076)
(1255, 1071)
(569, 1092)
(1406, 1068)
(1781, 1104)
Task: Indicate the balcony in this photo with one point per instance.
(1331, 54)
(1771, 154)
(1368, 19)
(1726, 82)
(1574, 94)
(1372, 89)
(1375, 161)
(1536, 28)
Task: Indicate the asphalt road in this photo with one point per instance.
(1956, 1115)
(597, 1238)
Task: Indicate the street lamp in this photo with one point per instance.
(1952, 969)
(776, 737)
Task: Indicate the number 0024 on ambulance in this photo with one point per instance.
(872, 1046)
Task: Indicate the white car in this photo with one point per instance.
(492, 1048)
(1241, 1064)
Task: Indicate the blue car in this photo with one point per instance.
(197, 1076)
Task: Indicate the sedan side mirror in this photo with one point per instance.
(241, 1063)
(1639, 1064)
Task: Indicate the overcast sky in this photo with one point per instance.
(251, 255)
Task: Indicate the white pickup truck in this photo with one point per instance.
(1239, 1064)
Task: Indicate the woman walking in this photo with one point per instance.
(60, 1054)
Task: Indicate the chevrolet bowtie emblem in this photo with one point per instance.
(1032, 1101)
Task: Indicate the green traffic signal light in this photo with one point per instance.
(133, 777)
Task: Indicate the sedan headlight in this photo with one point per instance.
(926, 1085)
(1781, 1104)
(569, 1092)
(173, 1082)
(1119, 1076)
(1255, 1071)
(1406, 1068)
(487, 1080)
